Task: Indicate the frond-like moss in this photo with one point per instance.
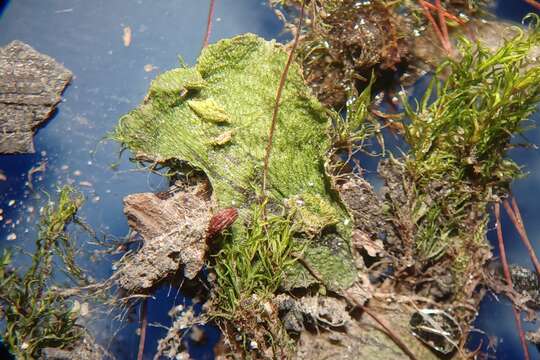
(35, 316)
(459, 142)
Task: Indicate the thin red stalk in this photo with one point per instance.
(432, 21)
(446, 13)
(364, 308)
(390, 333)
(209, 23)
(515, 217)
(443, 27)
(142, 329)
(282, 80)
(508, 278)
(533, 3)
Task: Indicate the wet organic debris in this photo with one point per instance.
(36, 316)
(526, 283)
(84, 349)
(363, 338)
(440, 193)
(346, 42)
(188, 107)
(30, 87)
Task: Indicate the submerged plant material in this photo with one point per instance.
(174, 232)
(231, 91)
(35, 316)
(412, 246)
(459, 142)
(346, 41)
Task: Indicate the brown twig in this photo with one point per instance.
(353, 302)
(209, 23)
(144, 324)
(273, 123)
(515, 216)
(535, 4)
(508, 278)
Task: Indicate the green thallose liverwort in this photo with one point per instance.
(215, 117)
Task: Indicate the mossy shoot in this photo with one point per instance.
(458, 160)
(36, 316)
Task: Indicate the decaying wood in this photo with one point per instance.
(30, 87)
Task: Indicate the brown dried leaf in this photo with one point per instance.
(361, 241)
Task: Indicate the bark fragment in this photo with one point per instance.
(174, 230)
(30, 87)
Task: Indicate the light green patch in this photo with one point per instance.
(210, 111)
(237, 82)
(176, 83)
(329, 265)
(312, 213)
(222, 139)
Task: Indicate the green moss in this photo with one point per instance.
(35, 316)
(208, 110)
(326, 261)
(459, 142)
(220, 125)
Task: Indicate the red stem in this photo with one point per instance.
(209, 23)
(446, 13)
(515, 217)
(533, 3)
(432, 21)
(144, 324)
(273, 123)
(508, 278)
(444, 28)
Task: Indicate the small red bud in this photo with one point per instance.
(221, 221)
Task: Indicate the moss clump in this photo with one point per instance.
(35, 315)
(459, 142)
(256, 263)
(220, 126)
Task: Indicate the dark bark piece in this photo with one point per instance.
(31, 85)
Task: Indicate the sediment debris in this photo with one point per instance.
(30, 87)
(526, 283)
(346, 41)
(84, 349)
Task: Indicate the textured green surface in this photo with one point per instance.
(216, 117)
